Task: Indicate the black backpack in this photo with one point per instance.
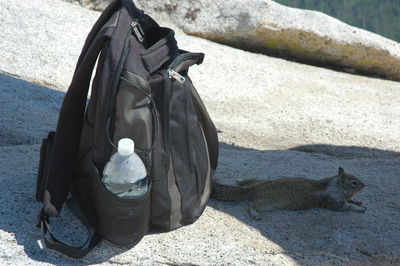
(141, 90)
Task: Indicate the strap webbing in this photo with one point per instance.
(53, 243)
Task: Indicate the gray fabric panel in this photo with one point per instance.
(207, 187)
(137, 80)
(175, 199)
(133, 118)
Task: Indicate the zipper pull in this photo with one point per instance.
(136, 31)
(175, 75)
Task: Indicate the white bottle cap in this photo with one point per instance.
(126, 147)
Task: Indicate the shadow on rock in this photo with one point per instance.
(347, 238)
(29, 111)
(19, 211)
(318, 234)
(346, 151)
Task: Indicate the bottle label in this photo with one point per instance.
(127, 190)
(118, 188)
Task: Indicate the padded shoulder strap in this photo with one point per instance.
(66, 142)
(105, 16)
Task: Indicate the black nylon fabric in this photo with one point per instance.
(66, 142)
(135, 94)
(162, 51)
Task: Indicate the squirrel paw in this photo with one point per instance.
(361, 209)
(359, 203)
(356, 208)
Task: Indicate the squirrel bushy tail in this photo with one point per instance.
(230, 192)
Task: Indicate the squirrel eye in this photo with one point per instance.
(353, 183)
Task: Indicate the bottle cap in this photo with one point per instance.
(126, 147)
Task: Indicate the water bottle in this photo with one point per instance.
(125, 174)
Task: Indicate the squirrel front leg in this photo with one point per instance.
(263, 205)
(344, 206)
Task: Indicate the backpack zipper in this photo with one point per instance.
(167, 99)
(183, 57)
(137, 30)
(108, 147)
(172, 74)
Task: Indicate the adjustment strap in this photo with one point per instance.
(52, 242)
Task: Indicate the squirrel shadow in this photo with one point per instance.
(346, 237)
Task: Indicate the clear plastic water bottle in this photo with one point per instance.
(125, 174)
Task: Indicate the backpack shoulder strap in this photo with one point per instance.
(104, 17)
(62, 161)
(65, 148)
(67, 137)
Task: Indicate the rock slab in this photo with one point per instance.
(276, 119)
(268, 27)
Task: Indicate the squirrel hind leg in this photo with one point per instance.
(254, 214)
(263, 206)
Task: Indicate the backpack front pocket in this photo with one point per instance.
(133, 114)
(187, 143)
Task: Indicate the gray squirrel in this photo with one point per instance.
(332, 193)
